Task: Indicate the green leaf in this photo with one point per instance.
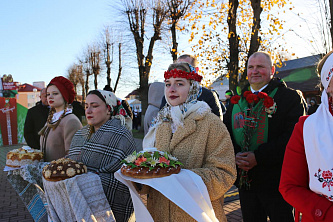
(156, 155)
(239, 90)
(132, 165)
(146, 154)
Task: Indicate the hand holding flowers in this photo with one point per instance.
(253, 110)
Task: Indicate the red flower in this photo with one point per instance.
(262, 95)
(235, 99)
(140, 160)
(164, 160)
(327, 175)
(122, 112)
(268, 102)
(250, 98)
(246, 93)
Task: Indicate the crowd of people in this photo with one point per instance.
(259, 139)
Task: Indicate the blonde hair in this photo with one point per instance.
(49, 119)
(181, 66)
(194, 61)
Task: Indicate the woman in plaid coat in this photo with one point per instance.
(102, 144)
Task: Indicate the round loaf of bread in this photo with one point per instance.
(23, 156)
(146, 173)
(150, 163)
(63, 169)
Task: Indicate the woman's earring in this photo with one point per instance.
(109, 109)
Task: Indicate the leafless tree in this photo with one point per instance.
(95, 62)
(137, 12)
(86, 67)
(326, 10)
(107, 48)
(75, 75)
(72, 76)
(176, 11)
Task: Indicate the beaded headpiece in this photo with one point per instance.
(177, 73)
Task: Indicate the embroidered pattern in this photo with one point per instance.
(329, 74)
(326, 178)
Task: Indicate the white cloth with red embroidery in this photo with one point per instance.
(186, 189)
(318, 140)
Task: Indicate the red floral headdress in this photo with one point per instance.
(177, 73)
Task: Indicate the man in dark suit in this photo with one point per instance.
(260, 161)
(35, 120)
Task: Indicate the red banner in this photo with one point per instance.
(9, 86)
(8, 120)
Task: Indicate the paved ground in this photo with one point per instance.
(12, 208)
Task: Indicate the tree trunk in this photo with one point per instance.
(87, 83)
(120, 68)
(83, 94)
(108, 63)
(174, 41)
(331, 23)
(233, 64)
(255, 39)
(95, 80)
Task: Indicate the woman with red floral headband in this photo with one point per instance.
(306, 179)
(188, 130)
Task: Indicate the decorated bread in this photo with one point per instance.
(23, 156)
(63, 169)
(150, 163)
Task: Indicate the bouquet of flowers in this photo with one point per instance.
(257, 104)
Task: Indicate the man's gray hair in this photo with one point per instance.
(266, 54)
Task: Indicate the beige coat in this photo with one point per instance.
(203, 146)
(56, 142)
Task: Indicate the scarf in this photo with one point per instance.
(318, 143)
(174, 114)
(57, 115)
(318, 148)
(115, 107)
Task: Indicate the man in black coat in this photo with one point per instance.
(263, 161)
(35, 120)
(206, 95)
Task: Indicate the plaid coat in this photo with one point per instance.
(102, 154)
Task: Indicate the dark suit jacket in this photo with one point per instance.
(269, 155)
(34, 122)
(78, 110)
